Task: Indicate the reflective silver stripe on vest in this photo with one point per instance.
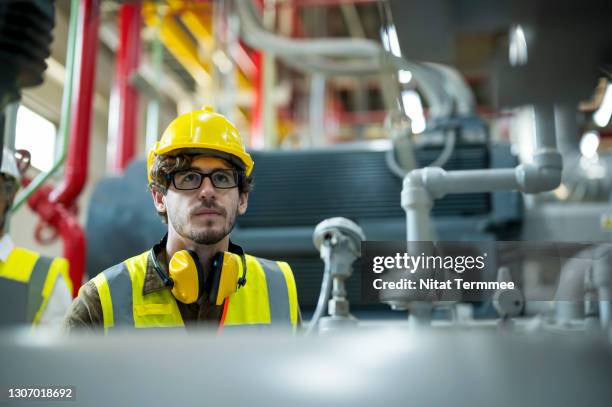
(278, 295)
(13, 301)
(36, 284)
(120, 288)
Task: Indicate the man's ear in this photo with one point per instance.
(243, 202)
(158, 200)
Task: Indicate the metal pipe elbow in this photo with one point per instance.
(544, 174)
(420, 187)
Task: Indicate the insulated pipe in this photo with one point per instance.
(427, 184)
(571, 288)
(80, 130)
(570, 295)
(338, 48)
(313, 53)
(127, 62)
(602, 278)
(422, 186)
(455, 85)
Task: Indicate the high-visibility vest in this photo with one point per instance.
(269, 297)
(26, 283)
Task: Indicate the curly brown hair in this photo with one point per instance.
(164, 165)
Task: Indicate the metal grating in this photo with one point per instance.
(302, 188)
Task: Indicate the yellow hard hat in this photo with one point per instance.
(202, 129)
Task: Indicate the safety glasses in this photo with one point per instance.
(187, 180)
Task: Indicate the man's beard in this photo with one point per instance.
(207, 237)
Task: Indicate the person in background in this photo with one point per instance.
(34, 289)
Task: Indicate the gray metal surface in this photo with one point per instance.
(364, 368)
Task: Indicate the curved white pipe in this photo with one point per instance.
(313, 55)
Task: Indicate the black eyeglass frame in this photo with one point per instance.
(203, 175)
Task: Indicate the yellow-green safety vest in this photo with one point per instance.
(26, 283)
(269, 297)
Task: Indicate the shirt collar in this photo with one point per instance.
(6, 247)
(152, 280)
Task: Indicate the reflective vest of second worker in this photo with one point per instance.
(200, 177)
(34, 289)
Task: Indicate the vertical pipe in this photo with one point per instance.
(80, 129)
(10, 125)
(257, 135)
(153, 105)
(128, 58)
(317, 110)
(269, 80)
(545, 138)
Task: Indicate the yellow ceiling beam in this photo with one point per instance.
(178, 43)
(197, 18)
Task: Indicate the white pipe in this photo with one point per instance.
(307, 54)
(427, 184)
(353, 48)
(570, 290)
(602, 277)
(457, 87)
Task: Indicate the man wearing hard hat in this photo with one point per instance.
(34, 289)
(200, 176)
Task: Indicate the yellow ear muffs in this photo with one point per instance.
(227, 268)
(187, 275)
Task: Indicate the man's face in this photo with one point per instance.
(207, 214)
(7, 188)
(7, 193)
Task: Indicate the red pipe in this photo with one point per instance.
(128, 59)
(82, 100)
(60, 220)
(257, 132)
(56, 207)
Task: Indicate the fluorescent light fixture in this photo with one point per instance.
(37, 135)
(414, 110)
(404, 76)
(602, 116)
(517, 52)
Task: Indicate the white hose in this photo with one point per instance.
(325, 290)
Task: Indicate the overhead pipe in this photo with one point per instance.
(291, 47)
(316, 56)
(127, 63)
